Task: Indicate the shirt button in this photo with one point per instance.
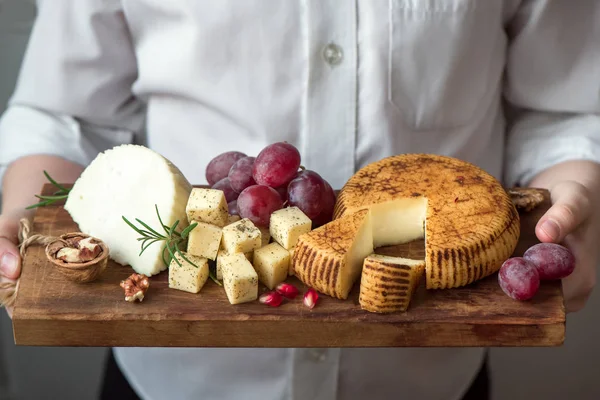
(333, 54)
(318, 355)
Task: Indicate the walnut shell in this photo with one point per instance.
(80, 272)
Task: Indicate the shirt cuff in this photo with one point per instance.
(26, 131)
(538, 141)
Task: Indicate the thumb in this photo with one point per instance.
(571, 206)
(10, 260)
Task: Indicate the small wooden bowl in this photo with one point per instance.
(78, 272)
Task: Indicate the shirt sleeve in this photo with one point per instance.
(73, 98)
(552, 86)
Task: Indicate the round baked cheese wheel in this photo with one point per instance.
(466, 217)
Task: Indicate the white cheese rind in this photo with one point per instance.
(204, 240)
(271, 263)
(187, 277)
(240, 280)
(129, 180)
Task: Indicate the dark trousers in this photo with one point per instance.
(116, 387)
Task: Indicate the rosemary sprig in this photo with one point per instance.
(173, 240)
(61, 194)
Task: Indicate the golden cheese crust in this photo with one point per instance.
(472, 225)
(388, 286)
(320, 258)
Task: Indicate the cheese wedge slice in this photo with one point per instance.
(129, 180)
(466, 217)
(330, 258)
(388, 283)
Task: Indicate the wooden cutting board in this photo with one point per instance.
(52, 311)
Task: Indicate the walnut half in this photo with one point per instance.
(135, 287)
(79, 250)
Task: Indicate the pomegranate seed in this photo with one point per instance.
(287, 290)
(310, 298)
(272, 299)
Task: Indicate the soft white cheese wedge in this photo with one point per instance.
(272, 263)
(204, 240)
(239, 279)
(129, 180)
(287, 225)
(188, 277)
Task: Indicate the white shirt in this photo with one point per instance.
(348, 82)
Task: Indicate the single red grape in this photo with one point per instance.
(276, 164)
(519, 278)
(328, 205)
(257, 203)
(306, 192)
(552, 261)
(218, 168)
(240, 174)
(225, 186)
(233, 208)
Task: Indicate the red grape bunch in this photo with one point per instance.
(255, 187)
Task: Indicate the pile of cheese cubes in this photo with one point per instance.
(244, 253)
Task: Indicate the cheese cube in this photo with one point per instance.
(287, 225)
(241, 237)
(232, 218)
(249, 255)
(291, 269)
(265, 236)
(271, 263)
(239, 278)
(204, 240)
(207, 205)
(186, 276)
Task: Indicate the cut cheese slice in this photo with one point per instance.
(129, 180)
(330, 258)
(388, 283)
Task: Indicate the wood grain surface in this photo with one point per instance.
(52, 311)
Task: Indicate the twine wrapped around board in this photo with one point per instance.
(77, 272)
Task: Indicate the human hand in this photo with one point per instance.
(10, 260)
(574, 222)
